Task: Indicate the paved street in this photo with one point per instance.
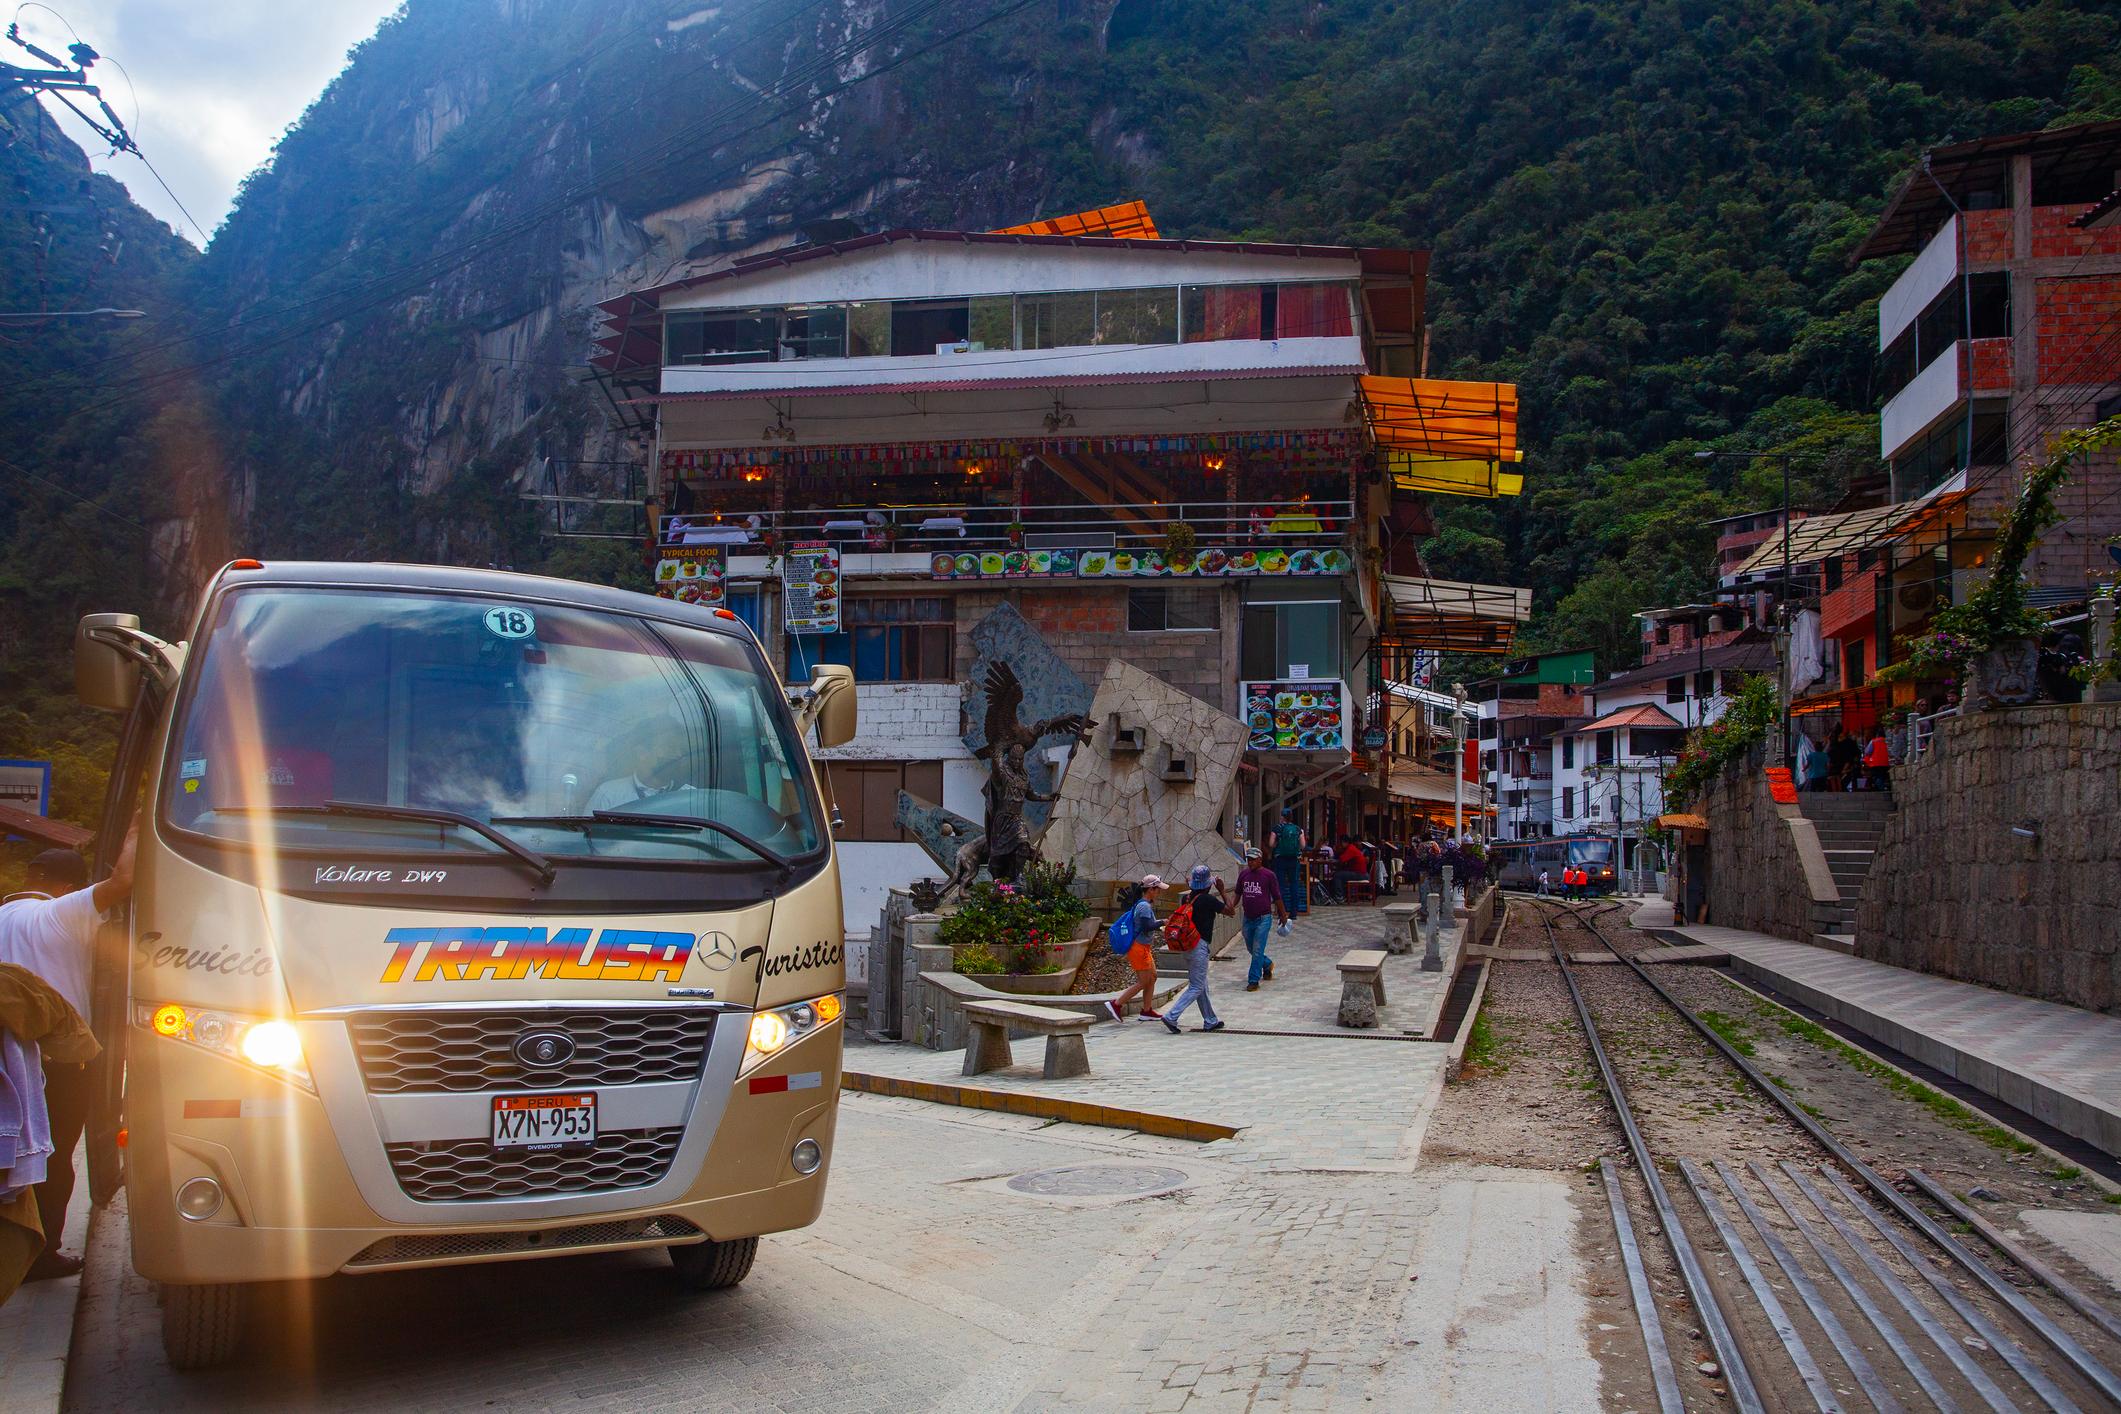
(1306, 1264)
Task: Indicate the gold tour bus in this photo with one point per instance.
(478, 917)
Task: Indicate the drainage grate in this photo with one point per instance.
(1099, 1181)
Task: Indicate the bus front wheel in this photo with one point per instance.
(202, 1326)
(711, 1265)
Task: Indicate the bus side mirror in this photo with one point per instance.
(832, 692)
(105, 676)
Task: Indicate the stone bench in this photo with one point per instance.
(1362, 986)
(988, 1048)
(1401, 921)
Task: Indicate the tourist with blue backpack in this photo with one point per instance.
(1130, 937)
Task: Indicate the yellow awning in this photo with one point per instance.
(1128, 221)
(1446, 436)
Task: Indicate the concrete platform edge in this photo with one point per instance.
(1037, 1106)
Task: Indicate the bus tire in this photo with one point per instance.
(711, 1265)
(202, 1326)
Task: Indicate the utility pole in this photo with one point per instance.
(60, 80)
(1458, 767)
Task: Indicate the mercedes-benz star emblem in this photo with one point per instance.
(717, 951)
(542, 1050)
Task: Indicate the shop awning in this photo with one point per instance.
(1128, 221)
(1452, 617)
(43, 829)
(1816, 538)
(1427, 785)
(1841, 700)
(1683, 822)
(1443, 436)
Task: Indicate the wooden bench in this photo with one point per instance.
(1362, 986)
(988, 1048)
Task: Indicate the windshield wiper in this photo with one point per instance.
(669, 822)
(522, 853)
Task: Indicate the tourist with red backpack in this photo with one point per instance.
(1191, 930)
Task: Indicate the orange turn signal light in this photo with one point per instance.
(829, 1007)
(125, 1138)
(168, 1020)
(246, 564)
(724, 614)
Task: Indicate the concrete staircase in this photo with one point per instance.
(1848, 825)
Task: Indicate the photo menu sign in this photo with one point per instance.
(810, 587)
(692, 574)
(1295, 716)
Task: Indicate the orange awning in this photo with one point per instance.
(1129, 221)
(1445, 436)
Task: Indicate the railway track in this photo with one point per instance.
(1819, 1284)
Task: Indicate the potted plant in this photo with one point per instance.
(1179, 544)
(1026, 929)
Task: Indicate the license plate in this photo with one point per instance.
(544, 1121)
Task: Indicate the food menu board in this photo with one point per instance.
(810, 587)
(1295, 716)
(1137, 564)
(692, 574)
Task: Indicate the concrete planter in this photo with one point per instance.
(1031, 984)
(2006, 676)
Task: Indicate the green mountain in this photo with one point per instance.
(1640, 213)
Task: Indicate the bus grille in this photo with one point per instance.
(465, 1170)
(428, 1051)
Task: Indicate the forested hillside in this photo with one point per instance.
(1640, 213)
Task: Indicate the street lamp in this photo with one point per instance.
(37, 316)
(1458, 767)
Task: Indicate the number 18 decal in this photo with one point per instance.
(511, 623)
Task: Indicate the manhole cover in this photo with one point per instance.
(1099, 1181)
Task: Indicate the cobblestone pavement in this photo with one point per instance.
(1345, 1100)
(1304, 1265)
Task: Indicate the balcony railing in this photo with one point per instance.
(1304, 538)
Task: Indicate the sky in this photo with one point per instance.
(214, 84)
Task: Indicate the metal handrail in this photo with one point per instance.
(929, 528)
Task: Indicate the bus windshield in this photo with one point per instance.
(1590, 851)
(549, 724)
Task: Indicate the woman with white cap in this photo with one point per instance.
(1142, 957)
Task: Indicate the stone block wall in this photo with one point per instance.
(1757, 881)
(1953, 891)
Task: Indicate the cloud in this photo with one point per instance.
(213, 85)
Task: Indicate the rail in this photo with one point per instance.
(1997, 1286)
(1138, 528)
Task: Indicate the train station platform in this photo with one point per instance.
(2060, 1064)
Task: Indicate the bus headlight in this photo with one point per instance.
(774, 1031)
(268, 1043)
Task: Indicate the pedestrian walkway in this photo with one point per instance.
(2060, 1064)
(37, 1324)
(1303, 1092)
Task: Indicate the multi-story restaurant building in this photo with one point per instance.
(914, 451)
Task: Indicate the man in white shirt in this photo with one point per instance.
(50, 929)
(660, 757)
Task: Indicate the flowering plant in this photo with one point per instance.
(1023, 925)
(1753, 712)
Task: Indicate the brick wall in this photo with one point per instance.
(1988, 237)
(1953, 891)
(1087, 627)
(2054, 237)
(1992, 365)
(2076, 321)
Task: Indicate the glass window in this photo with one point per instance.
(723, 336)
(1568, 800)
(993, 322)
(1705, 683)
(1171, 610)
(1675, 689)
(1213, 312)
(1605, 748)
(402, 699)
(1056, 321)
(1315, 311)
(815, 331)
(1138, 316)
(1278, 638)
(923, 326)
(869, 329)
(1568, 753)
(885, 640)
